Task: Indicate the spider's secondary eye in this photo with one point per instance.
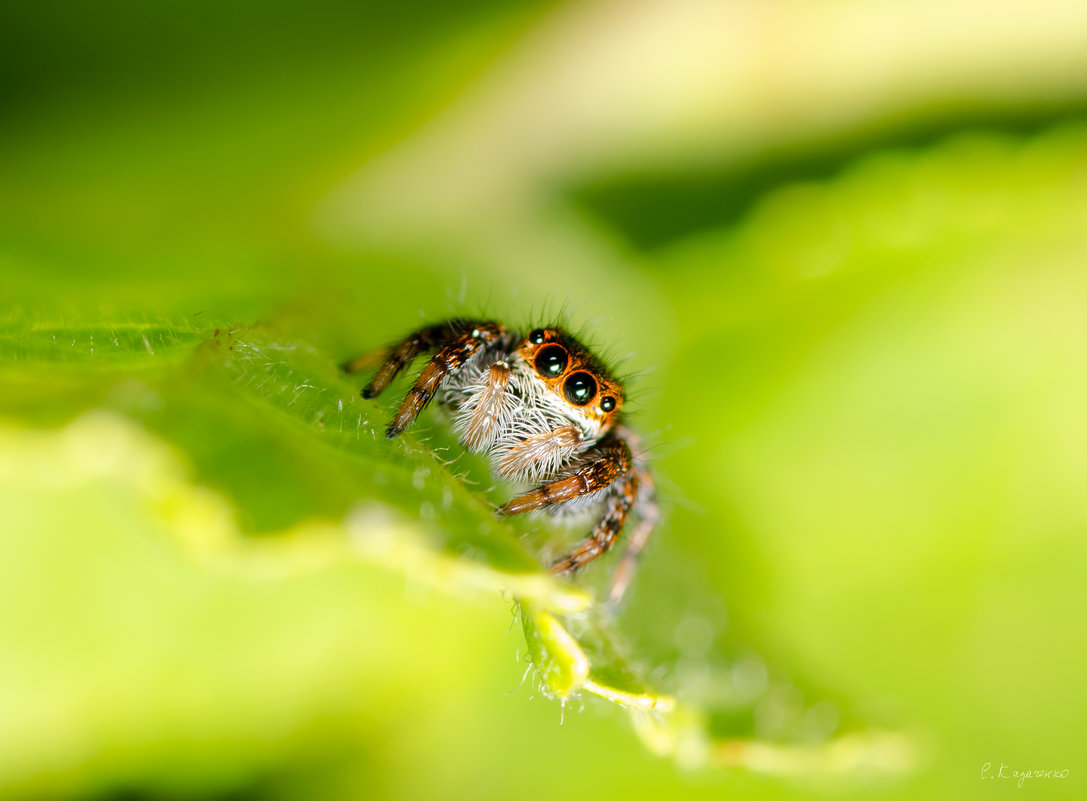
(551, 360)
(537, 337)
(579, 389)
(607, 403)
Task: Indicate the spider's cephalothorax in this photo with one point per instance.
(547, 414)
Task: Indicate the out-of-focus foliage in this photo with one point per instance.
(840, 250)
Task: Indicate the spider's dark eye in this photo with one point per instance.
(537, 337)
(607, 403)
(580, 388)
(551, 360)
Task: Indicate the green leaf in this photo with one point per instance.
(207, 547)
(290, 471)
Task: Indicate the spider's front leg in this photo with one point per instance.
(398, 356)
(606, 531)
(456, 342)
(607, 468)
(645, 506)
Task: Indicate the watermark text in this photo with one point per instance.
(1007, 772)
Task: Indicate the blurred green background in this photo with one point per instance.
(840, 249)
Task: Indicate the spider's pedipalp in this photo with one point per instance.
(486, 411)
(602, 465)
(541, 454)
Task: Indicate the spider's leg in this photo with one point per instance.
(449, 359)
(398, 356)
(602, 465)
(541, 453)
(647, 510)
(605, 532)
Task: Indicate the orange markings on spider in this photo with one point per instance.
(548, 415)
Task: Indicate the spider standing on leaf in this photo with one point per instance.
(547, 414)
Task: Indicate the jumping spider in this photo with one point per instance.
(547, 413)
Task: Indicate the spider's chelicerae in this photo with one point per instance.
(548, 415)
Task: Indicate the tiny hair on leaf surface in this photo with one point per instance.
(299, 478)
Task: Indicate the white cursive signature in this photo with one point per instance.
(1020, 776)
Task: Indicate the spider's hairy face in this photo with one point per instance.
(576, 382)
(532, 403)
(544, 411)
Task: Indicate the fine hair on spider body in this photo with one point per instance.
(546, 413)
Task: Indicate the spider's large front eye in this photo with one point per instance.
(580, 388)
(551, 360)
